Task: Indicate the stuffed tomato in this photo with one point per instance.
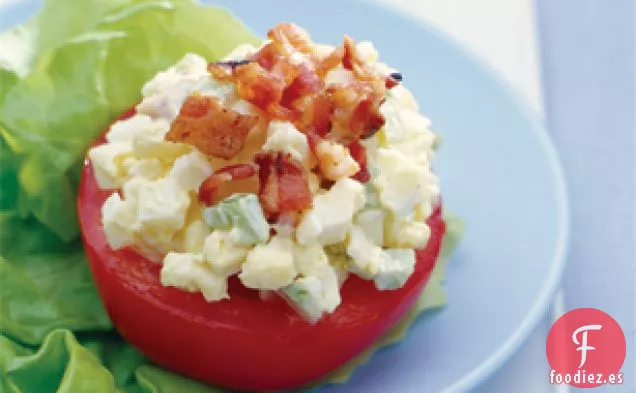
(257, 222)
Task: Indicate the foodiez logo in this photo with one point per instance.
(586, 348)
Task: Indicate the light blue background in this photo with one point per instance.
(587, 49)
(588, 62)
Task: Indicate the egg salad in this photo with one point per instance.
(291, 166)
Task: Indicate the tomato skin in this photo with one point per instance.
(243, 343)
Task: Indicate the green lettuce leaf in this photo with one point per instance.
(48, 291)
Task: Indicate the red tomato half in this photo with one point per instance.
(243, 343)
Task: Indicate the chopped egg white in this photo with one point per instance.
(400, 96)
(408, 131)
(166, 92)
(396, 267)
(120, 221)
(223, 254)
(403, 232)
(123, 131)
(310, 260)
(368, 220)
(365, 255)
(329, 220)
(193, 236)
(423, 210)
(283, 137)
(269, 266)
(147, 168)
(107, 162)
(162, 209)
(150, 142)
(316, 294)
(401, 182)
(187, 271)
(191, 170)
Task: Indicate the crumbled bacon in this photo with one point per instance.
(359, 153)
(306, 83)
(357, 114)
(222, 70)
(211, 127)
(315, 114)
(312, 140)
(366, 118)
(350, 56)
(258, 86)
(209, 188)
(283, 184)
(330, 62)
(286, 80)
(291, 34)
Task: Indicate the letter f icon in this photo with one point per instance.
(583, 344)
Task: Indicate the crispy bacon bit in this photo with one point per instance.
(220, 72)
(350, 56)
(285, 79)
(291, 34)
(330, 62)
(284, 187)
(357, 114)
(359, 153)
(313, 139)
(352, 61)
(211, 127)
(258, 86)
(366, 119)
(268, 55)
(322, 110)
(306, 83)
(209, 188)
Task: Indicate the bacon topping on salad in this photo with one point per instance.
(359, 153)
(209, 189)
(283, 184)
(214, 129)
(287, 80)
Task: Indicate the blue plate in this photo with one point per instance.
(498, 171)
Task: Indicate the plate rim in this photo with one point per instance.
(545, 297)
